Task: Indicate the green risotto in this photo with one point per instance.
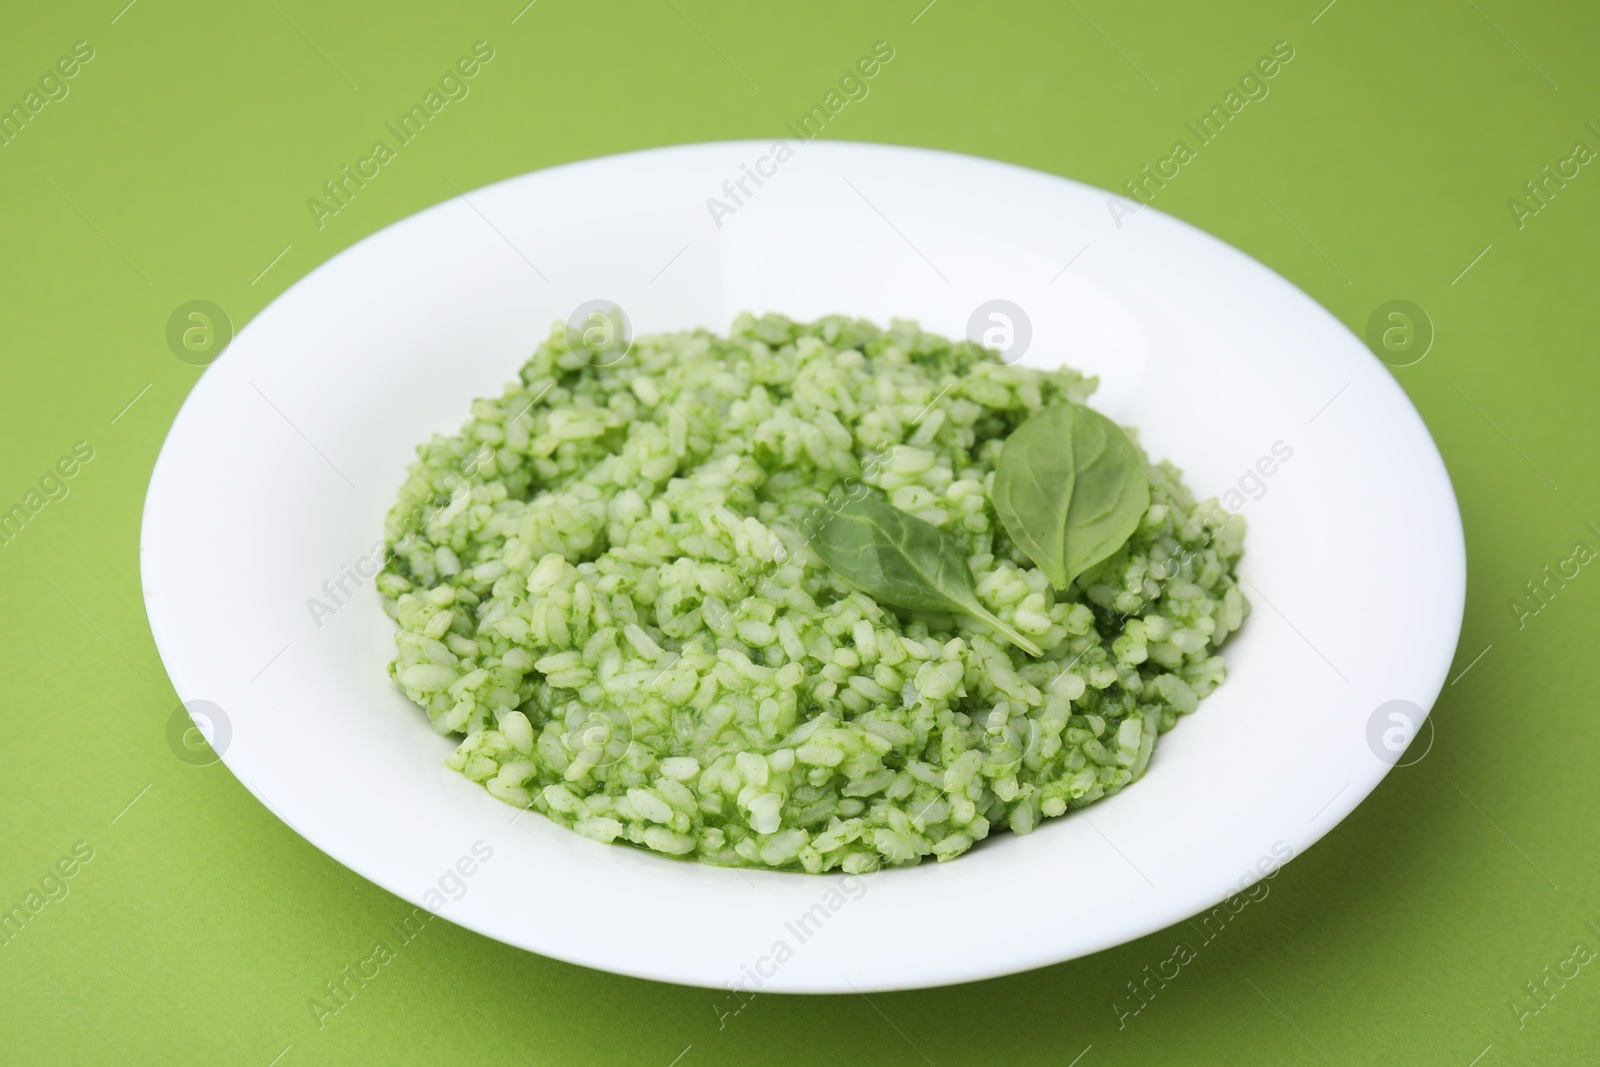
(812, 596)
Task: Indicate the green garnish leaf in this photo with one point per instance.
(1070, 489)
(903, 562)
(1033, 482)
(1109, 495)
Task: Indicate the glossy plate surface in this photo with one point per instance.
(278, 471)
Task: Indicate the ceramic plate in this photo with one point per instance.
(274, 481)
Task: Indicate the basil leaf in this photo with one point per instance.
(1070, 489)
(903, 562)
(1110, 492)
(1033, 483)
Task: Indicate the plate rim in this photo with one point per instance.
(1022, 959)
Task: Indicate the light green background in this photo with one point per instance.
(178, 168)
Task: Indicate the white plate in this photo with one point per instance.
(279, 469)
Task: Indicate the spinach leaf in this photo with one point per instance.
(1033, 483)
(1109, 496)
(901, 561)
(1070, 489)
